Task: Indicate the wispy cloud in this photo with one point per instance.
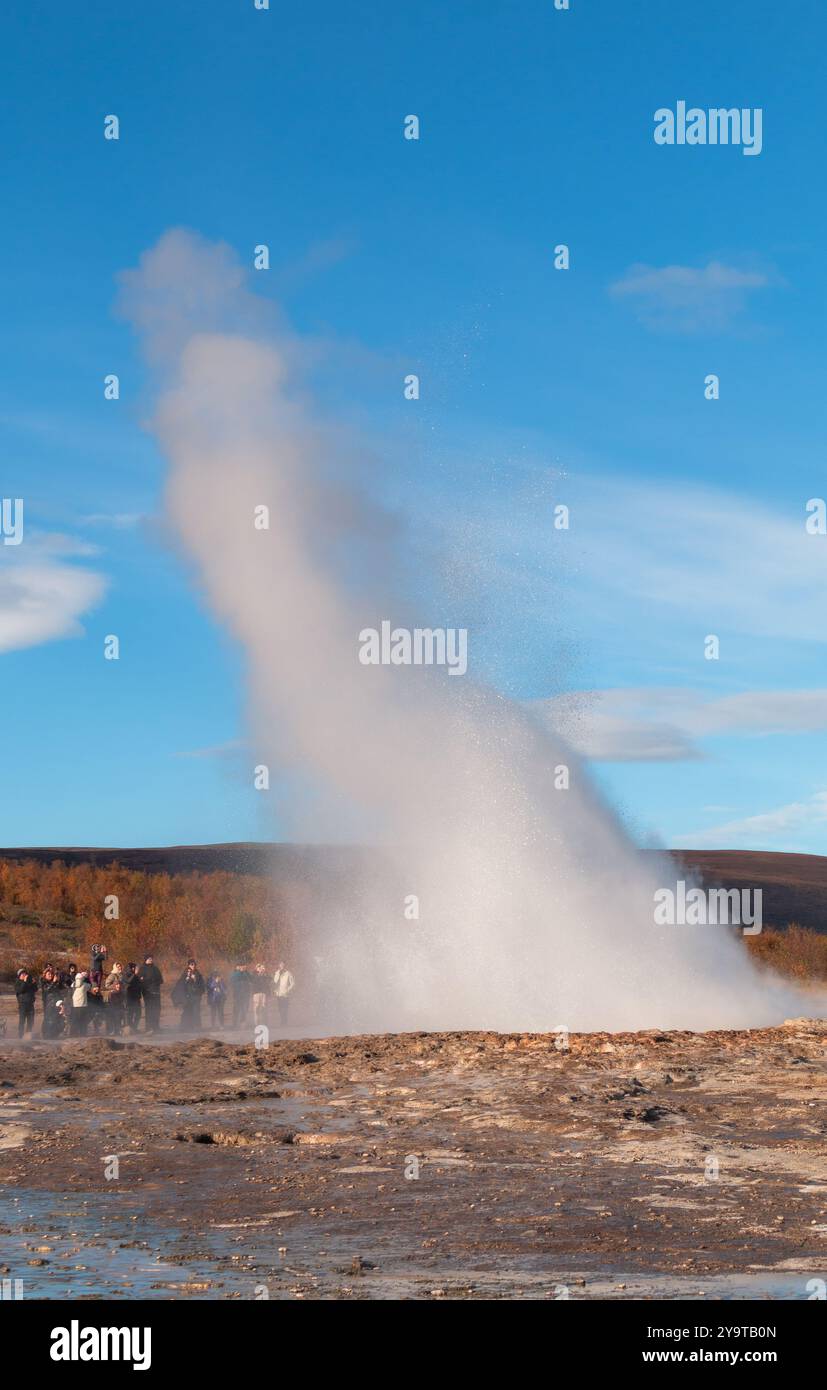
(778, 829)
(42, 595)
(714, 561)
(119, 521)
(646, 571)
(689, 299)
(319, 256)
(665, 724)
(219, 750)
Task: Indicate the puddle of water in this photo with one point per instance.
(94, 1252)
(746, 1284)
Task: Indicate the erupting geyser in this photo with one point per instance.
(535, 910)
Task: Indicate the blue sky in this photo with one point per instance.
(538, 386)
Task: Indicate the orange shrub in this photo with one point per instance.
(217, 915)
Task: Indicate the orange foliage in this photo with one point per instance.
(215, 915)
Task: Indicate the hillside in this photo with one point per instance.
(794, 885)
(242, 857)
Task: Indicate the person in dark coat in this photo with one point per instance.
(67, 981)
(97, 964)
(186, 996)
(241, 987)
(25, 987)
(50, 996)
(216, 994)
(151, 982)
(133, 990)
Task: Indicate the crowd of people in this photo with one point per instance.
(76, 1002)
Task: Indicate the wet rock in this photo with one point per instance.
(649, 1115)
(632, 1088)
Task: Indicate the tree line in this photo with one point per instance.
(218, 914)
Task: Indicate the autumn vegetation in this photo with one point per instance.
(796, 952)
(55, 909)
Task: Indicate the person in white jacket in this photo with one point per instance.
(283, 984)
(79, 1017)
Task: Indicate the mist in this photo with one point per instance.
(535, 910)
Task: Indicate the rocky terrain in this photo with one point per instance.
(460, 1165)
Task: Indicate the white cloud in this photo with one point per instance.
(42, 597)
(689, 299)
(615, 726)
(772, 830)
(120, 521)
(664, 725)
(714, 561)
(644, 573)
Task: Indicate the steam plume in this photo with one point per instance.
(535, 909)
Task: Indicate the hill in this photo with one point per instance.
(241, 857)
(794, 885)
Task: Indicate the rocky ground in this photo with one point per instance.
(457, 1165)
